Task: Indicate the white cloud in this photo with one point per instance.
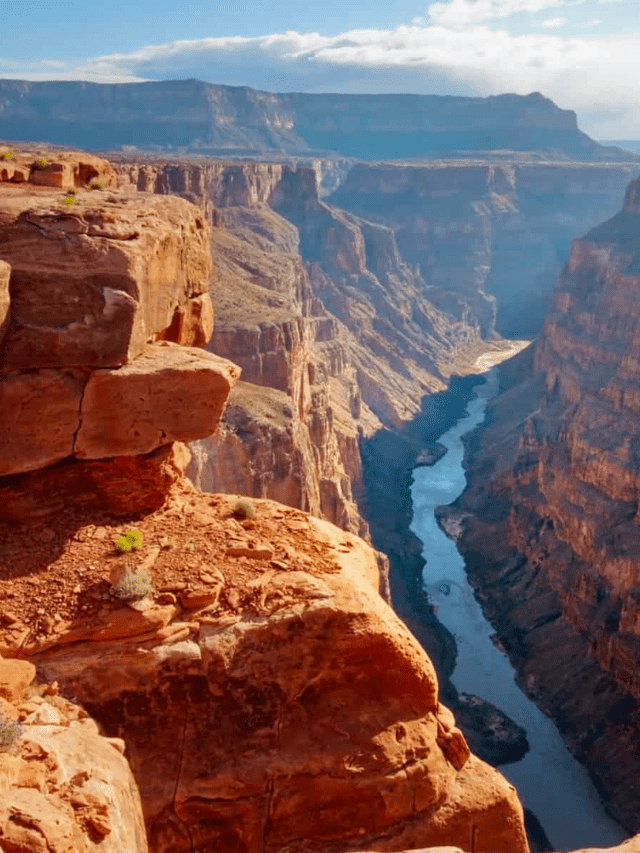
(551, 23)
(594, 75)
(463, 13)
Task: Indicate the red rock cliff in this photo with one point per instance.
(482, 232)
(104, 306)
(332, 329)
(551, 515)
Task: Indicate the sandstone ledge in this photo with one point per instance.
(275, 663)
(93, 280)
(169, 393)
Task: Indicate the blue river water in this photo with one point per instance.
(550, 782)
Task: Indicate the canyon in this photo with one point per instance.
(301, 343)
(262, 633)
(548, 523)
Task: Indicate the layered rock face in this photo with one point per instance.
(191, 112)
(550, 518)
(64, 786)
(104, 305)
(482, 232)
(332, 329)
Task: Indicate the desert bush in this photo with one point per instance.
(69, 199)
(72, 191)
(244, 508)
(133, 585)
(131, 540)
(95, 185)
(9, 155)
(10, 733)
(41, 163)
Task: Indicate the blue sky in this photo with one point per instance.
(584, 54)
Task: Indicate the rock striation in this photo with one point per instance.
(105, 310)
(549, 520)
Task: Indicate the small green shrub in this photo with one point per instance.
(133, 585)
(72, 191)
(131, 540)
(244, 508)
(95, 185)
(69, 199)
(9, 155)
(41, 163)
(10, 733)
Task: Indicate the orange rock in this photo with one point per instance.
(124, 485)
(15, 677)
(316, 725)
(5, 300)
(112, 274)
(67, 788)
(169, 393)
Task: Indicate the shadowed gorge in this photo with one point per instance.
(549, 520)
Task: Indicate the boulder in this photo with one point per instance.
(169, 393)
(95, 279)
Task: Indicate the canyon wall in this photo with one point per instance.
(333, 330)
(192, 113)
(489, 238)
(550, 517)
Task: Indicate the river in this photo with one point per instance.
(550, 782)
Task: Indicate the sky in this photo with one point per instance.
(583, 54)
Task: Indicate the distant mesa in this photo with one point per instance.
(192, 114)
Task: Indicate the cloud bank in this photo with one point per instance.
(454, 50)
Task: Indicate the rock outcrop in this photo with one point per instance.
(105, 308)
(235, 686)
(64, 785)
(206, 115)
(550, 521)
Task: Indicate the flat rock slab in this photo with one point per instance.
(170, 393)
